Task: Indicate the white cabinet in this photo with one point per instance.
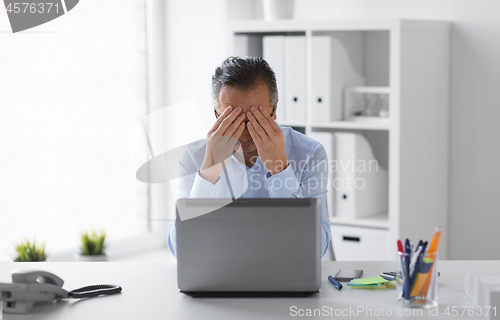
(388, 81)
(348, 242)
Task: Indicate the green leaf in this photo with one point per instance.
(28, 252)
(93, 243)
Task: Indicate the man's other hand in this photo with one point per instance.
(268, 138)
(222, 140)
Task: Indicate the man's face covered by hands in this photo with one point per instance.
(245, 100)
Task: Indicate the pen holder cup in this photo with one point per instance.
(417, 280)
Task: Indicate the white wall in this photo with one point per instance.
(195, 44)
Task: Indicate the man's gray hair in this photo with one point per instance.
(244, 74)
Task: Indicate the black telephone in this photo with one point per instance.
(35, 287)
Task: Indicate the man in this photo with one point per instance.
(276, 162)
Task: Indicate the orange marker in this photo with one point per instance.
(431, 254)
(422, 276)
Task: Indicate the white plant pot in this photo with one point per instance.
(278, 9)
(80, 258)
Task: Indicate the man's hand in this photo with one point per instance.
(268, 138)
(222, 140)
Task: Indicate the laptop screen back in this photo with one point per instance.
(250, 245)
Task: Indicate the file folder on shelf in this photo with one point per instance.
(273, 51)
(321, 81)
(361, 184)
(295, 78)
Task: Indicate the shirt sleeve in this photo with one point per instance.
(313, 175)
(191, 185)
(200, 188)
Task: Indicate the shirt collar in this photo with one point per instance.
(244, 166)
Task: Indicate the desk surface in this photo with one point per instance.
(150, 292)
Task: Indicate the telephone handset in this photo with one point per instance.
(36, 277)
(35, 287)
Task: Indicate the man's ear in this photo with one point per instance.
(275, 111)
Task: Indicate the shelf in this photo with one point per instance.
(366, 124)
(369, 89)
(377, 124)
(252, 26)
(284, 26)
(378, 221)
(292, 123)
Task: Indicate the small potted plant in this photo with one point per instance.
(28, 251)
(92, 247)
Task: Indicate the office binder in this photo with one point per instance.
(321, 81)
(273, 51)
(295, 78)
(361, 184)
(327, 141)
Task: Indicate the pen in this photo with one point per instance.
(335, 283)
(401, 251)
(407, 283)
(400, 246)
(418, 264)
(413, 260)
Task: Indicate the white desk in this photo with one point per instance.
(150, 292)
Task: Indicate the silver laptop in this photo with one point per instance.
(260, 247)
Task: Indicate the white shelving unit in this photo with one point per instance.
(409, 60)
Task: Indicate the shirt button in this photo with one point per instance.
(212, 193)
(271, 187)
(218, 189)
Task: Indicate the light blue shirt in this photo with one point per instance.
(305, 177)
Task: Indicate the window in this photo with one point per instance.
(69, 92)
